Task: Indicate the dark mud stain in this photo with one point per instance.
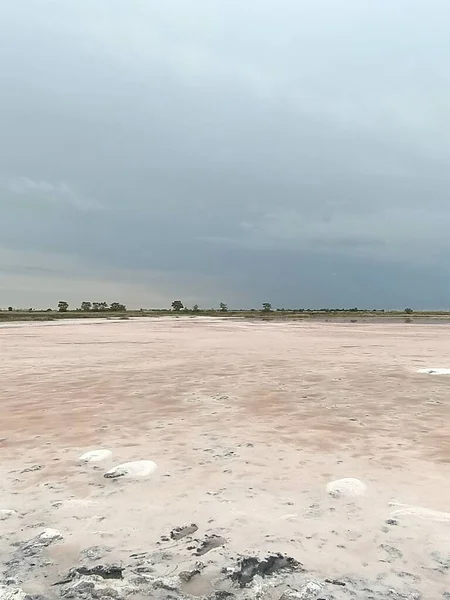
(211, 542)
(180, 532)
(106, 572)
(251, 566)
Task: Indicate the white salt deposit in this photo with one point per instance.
(435, 371)
(6, 514)
(289, 516)
(346, 487)
(49, 534)
(309, 591)
(45, 538)
(406, 510)
(8, 592)
(138, 468)
(95, 456)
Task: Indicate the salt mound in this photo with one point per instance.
(406, 510)
(138, 468)
(346, 487)
(49, 535)
(95, 456)
(435, 371)
(5, 513)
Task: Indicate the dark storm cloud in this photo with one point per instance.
(296, 152)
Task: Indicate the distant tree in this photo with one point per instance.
(63, 306)
(266, 306)
(99, 306)
(223, 307)
(86, 306)
(408, 311)
(177, 305)
(195, 308)
(117, 307)
(10, 308)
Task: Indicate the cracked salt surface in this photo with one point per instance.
(8, 592)
(251, 477)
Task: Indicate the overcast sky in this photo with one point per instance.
(295, 152)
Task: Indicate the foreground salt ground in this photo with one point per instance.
(320, 442)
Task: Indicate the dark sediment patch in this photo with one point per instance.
(251, 566)
(179, 533)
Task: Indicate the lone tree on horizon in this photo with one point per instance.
(223, 307)
(266, 306)
(117, 307)
(177, 305)
(63, 306)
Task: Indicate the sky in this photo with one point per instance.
(291, 152)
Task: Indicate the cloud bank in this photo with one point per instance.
(294, 153)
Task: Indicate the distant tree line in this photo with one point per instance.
(63, 306)
(178, 306)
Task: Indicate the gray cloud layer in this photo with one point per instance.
(293, 152)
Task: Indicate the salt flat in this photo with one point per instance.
(247, 423)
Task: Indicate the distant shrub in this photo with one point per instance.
(63, 306)
(408, 311)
